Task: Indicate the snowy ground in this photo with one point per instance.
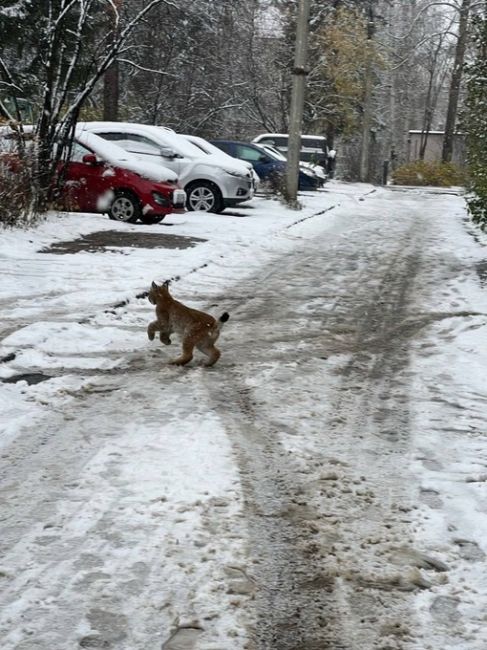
(324, 486)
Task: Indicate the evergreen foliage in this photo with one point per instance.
(475, 125)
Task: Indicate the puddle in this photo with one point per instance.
(30, 377)
(106, 239)
(481, 268)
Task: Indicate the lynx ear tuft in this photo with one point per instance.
(166, 283)
(154, 285)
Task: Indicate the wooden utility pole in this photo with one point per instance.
(456, 78)
(111, 84)
(297, 102)
(367, 101)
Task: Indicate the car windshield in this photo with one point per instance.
(178, 143)
(203, 144)
(197, 144)
(104, 149)
(268, 152)
(78, 151)
(313, 143)
(275, 153)
(275, 141)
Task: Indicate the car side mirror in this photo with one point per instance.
(167, 152)
(90, 159)
(263, 159)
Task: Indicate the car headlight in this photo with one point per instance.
(160, 199)
(234, 174)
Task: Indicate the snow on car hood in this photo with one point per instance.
(215, 160)
(317, 169)
(205, 166)
(118, 157)
(210, 149)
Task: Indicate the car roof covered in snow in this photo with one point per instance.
(167, 137)
(118, 157)
(305, 136)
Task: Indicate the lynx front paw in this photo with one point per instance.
(165, 339)
(151, 335)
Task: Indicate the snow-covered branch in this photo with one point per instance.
(144, 69)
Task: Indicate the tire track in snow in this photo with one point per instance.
(325, 546)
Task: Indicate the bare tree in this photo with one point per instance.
(436, 72)
(456, 79)
(111, 78)
(367, 97)
(72, 65)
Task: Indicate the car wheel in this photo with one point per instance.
(125, 207)
(149, 219)
(204, 196)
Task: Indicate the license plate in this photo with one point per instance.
(179, 198)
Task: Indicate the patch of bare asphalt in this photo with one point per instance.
(29, 377)
(107, 239)
(481, 268)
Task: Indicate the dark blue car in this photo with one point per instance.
(270, 166)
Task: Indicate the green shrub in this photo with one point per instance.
(422, 172)
(475, 125)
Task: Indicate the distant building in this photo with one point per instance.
(434, 146)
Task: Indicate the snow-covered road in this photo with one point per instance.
(322, 487)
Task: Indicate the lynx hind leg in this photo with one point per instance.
(213, 353)
(186, 355)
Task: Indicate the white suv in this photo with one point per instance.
(211, 184)
(209, 148)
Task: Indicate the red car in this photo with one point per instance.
(101, 177)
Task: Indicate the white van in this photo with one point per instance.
(211, 184)
(313, 147)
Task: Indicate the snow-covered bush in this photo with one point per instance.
(422, 172)
(17, 189)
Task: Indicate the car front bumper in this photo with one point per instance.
(236, 189)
